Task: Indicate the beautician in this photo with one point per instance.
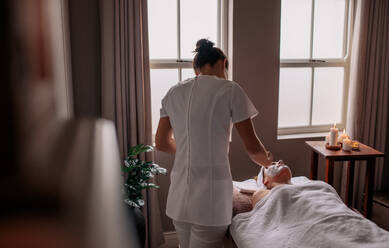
(200, 113)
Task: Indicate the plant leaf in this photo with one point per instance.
(125, 169)
(162, 170)
(132, 203)
(146, 148)
(136, 150)
(141, 202)
(152, 185)
(137, 173)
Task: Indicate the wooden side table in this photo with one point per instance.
(364, 153)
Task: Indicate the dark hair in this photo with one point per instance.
(206, 53)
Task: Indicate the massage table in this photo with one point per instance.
(304, 214)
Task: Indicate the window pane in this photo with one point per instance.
(162, 29)
(295, 29)
(187, 73)
(161, 81)
(327, 95)
(329, 28)
(198, 20)
(294, 97)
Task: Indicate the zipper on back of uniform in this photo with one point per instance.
(188, 129)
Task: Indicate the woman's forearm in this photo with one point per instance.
(261, 156)
(254, 147)
(168, 147)
(171, 147)
(164, 137)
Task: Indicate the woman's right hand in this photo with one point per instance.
(269, 157)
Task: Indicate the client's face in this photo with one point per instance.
(281, 174)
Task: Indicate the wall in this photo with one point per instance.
(255, 38)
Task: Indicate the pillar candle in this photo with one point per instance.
(347, 145)
(333, 136)
(342, 136)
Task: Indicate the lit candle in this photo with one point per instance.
(342, 136)
(355, 145)
(333, 136)
(347, 145)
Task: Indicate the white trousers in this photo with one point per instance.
(196, 236)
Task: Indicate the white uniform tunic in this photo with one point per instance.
(201, 111)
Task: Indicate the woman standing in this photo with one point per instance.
(200, 113)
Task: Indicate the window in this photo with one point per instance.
(174, 28)
(313, 65)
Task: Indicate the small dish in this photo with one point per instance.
(338, 146)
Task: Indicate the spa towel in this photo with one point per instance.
(305, 215)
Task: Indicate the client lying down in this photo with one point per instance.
(289, 212)
(276, 174)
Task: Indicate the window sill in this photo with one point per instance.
(302, 136)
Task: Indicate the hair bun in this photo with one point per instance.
(203, 44)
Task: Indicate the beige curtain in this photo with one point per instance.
(367, 119)
(125, 89)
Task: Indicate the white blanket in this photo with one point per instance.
(251, 185)
(305, 215)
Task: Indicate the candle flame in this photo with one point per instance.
(344, 130)
(334, 125)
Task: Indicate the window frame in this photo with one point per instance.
(222, 41)
(325, 62)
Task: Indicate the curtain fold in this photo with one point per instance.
(125, 86)
(368, 106)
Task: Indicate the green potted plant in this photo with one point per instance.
(136, 174)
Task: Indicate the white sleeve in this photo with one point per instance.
(162, 110)
(241, 106)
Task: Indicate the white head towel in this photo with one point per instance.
(272, 171)
(260, 179)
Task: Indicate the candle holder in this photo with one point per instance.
(338, 146)
(355, 146)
